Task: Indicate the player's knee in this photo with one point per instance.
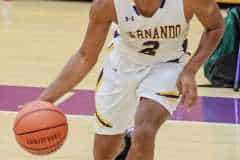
(142, 141)
(143, 136)
(145, 132)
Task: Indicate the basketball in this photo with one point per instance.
(40, 128)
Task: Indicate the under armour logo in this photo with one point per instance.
(129, 18)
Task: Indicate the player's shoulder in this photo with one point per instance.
(103, 9)
(193, 6)
(199, 4)
(103, 6)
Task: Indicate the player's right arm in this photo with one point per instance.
(84, 59)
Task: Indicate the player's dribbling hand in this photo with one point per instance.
(30, 103)
(187, 87)
(23, 105)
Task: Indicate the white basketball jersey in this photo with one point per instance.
(148, 40)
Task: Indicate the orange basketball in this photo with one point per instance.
(40, 128)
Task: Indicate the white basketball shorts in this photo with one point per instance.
(124, 83)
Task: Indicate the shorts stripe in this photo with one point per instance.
(103, 121)
(171, 94)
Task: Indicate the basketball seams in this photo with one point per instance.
(58, 144)
(28, 113)
(52, 127)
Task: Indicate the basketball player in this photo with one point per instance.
(146, 70)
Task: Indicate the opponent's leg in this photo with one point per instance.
(106, 146)
(149, 117)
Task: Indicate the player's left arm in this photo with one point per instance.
(209, 15)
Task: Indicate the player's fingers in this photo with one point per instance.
(20, 106)
(24, 105)
(191, 97)
(184, 94)
(182, 100)
(186, 100)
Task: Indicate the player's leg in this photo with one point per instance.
(116, 104)
(106, 146)
(149, 117)
(158, 100)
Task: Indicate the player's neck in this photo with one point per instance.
(148, 7)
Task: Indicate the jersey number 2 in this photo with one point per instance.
(152, 47)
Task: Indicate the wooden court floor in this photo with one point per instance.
(37, 38)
